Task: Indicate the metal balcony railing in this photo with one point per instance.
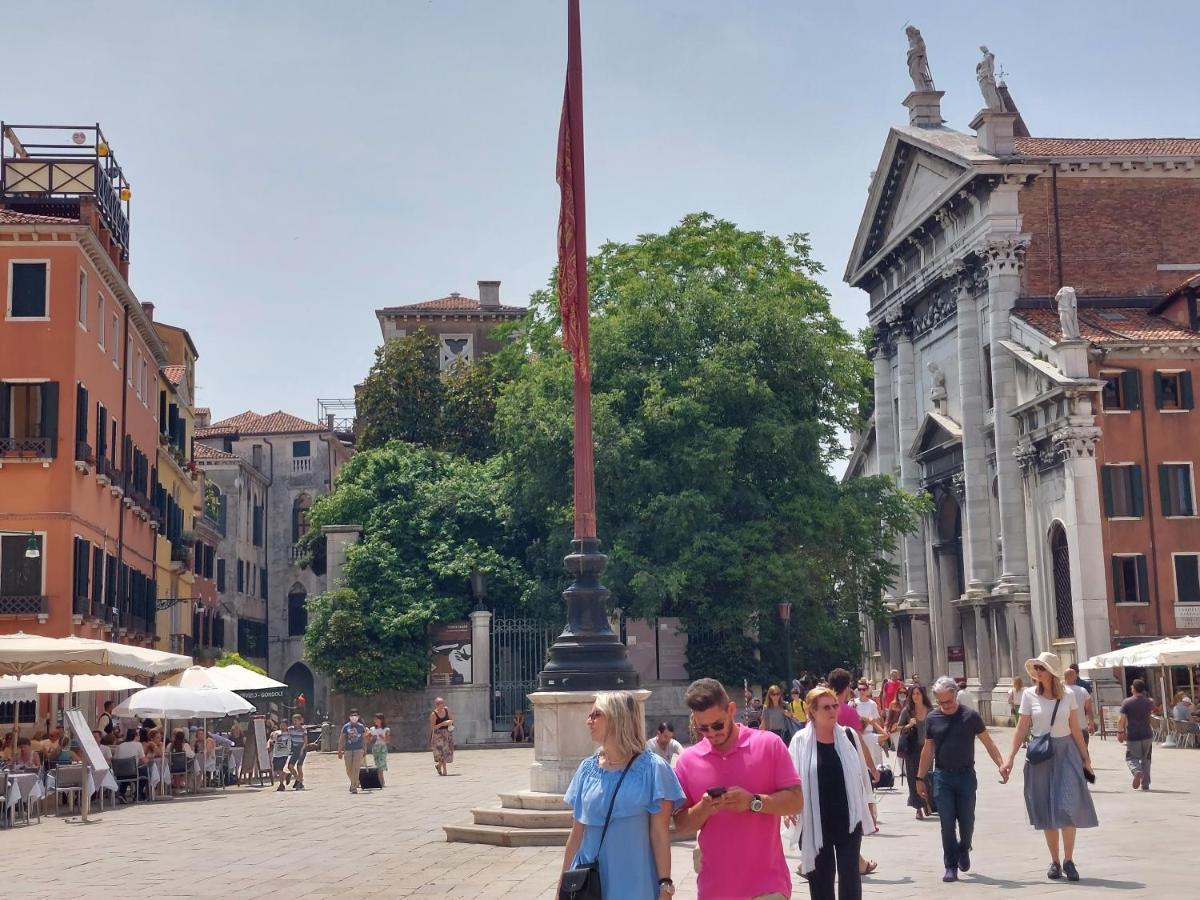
(83, 452)
(27, 447)
(24, 605)
(82, 605)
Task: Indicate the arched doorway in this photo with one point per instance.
(299, 678)
(1060, 557)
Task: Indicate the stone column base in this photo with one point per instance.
(560, 736)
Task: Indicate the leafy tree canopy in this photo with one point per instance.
(236, 659)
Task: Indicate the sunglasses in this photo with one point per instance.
(827, 707)
(863, 687)
(1039, 668)
(715, 727)
(772, 693)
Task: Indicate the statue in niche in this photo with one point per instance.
(937, 393)
(918, 61)
(986, 73)
(1068, 313)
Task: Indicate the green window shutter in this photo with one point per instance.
(1131, 387)
(1106, 478)
(1135, 490)
(5, 395)
(1143, 580)
(1164, 488)
(1185, 390)
(1117, 581)
(50, 415)
(1158, 398)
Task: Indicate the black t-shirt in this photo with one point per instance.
(954, 737)
(831, 787)
(1137, 710)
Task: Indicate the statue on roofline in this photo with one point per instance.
(1068, 313)
(985, 72)
(918, 61)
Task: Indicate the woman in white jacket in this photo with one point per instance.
(836, 788)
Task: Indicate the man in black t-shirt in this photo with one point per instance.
(951, 730)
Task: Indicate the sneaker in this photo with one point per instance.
(1055, 871)
(1146, 786)
(1070, 871)
(964, 859)
(354, 790)
(1137, 780)
(280, 788)
(951, 875)
(298, 786)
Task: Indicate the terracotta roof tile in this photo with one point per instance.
(12, 217)
(1111, 325)
(250, 422)
(174, 374)
(452, 303)
(1100, 147)
(203, 452)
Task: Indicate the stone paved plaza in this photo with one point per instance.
(325, 842)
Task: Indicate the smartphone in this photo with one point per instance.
(715, 792)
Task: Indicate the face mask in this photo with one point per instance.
(353, 719)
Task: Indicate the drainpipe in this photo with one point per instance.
(124, 351)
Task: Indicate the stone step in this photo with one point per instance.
(533, 800)
(522, 818)
(501, 836)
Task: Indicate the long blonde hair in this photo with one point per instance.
(1056, 686)
(623, 721)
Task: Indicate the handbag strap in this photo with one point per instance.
(1053, 714)
(613, 801)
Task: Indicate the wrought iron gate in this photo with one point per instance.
(1061, 556)
(519, 649)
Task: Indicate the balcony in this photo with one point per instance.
(302, 465)
(28, 605)
(180, 553)
(84, 457)
(82, 605)
(106, 472)
(25, 448)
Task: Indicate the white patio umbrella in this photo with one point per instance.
(17, 691)
(81, 684)
(230, 678)
(31, 654)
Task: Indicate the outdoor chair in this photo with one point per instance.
(5, 812)
(1157, 727)
(125, 770)
(221, 764)
(177, 764)
(68, 779)
(1185, 733)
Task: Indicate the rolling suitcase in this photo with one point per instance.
(368, 778)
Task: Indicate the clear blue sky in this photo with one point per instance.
(296, 165)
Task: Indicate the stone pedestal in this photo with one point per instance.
(996, 129)
(925, 108)
(560, 736)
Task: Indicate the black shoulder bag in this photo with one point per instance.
(1040, 749)
(583, 883)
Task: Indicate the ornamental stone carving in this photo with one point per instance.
(1076, 442)
(937, 393)
(940, 308)
(958, 484)
(1005, 256)
(1026, 454)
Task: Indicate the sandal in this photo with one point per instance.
(871, 867)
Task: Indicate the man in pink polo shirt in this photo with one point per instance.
(839, 683)
(755, 783)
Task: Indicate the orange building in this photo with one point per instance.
(79, 363)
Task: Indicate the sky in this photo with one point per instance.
(297, 165)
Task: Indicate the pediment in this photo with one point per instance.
(936, 432)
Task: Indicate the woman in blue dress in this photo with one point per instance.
(635, 858)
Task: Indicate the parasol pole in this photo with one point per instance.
(1169, 739)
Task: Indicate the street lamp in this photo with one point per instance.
(479, 587)
(32, 551)
(785, 616)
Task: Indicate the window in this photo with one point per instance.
(1187, 577)
(100, 320)
(1121, 391)
(129, 370)
(257, 526)
(20, 576)
(115, 339)
(1130, 582)
(241, 582)
(989, 400)
(256, 457)
(81, 414)
(1123, 491)
(1175, 489)
(221, 575)
(300, 448)
(83, 565)
(27, 297)
(262, 577)
(83, 304)
(297, 613)
(101, 431)
(140, 375)
(29, 413)
(1173, 390)
(252, 638)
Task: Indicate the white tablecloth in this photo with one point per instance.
(24, 786)
(109, 781)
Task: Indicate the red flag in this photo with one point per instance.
(572, 241)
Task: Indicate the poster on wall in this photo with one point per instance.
(450, 661)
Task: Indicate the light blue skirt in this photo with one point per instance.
(1056, 793)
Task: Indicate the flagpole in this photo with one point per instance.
(588, 655)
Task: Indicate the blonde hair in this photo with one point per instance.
(1179, 695)
(1056, 686)
(623, 721)
(767, 704)
(814, 696)
(1018, 683)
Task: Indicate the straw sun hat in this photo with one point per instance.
(1047, 659)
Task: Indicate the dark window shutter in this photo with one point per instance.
(5, 407)
(1158, 393)
(97, 577)
(29, 290)
(1143, 580)
(162, 412)
(1106, 480)
(1185, 390)
(50, 415)
(81, 414)
(1164, 487)
(221, 575)
(1131, 387)
(1118, 581)
(1136, 492)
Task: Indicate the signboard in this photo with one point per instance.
(81, 732)
(260, 744)
(450, 661)
(956, 653)
(1187, 615)
(270, 701)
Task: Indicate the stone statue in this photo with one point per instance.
(986, 73)
(1068, 313)
(918, 62)
(937, 393)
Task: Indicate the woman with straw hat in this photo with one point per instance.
(1056, 793)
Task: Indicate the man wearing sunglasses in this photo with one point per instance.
(738, 783)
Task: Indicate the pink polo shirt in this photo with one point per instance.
(848, 715)
(741, 853)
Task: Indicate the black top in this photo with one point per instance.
(1137, 710)
(954, 737)
(831, 788)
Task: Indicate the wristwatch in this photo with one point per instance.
(756, 803)
(666, 884)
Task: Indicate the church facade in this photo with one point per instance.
(1046, 426)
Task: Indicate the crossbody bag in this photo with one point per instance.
(583, 882)
(1040, 749)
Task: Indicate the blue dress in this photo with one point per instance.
(627, 868)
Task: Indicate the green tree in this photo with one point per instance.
(236, 659)
(430, 519)
(722, 383)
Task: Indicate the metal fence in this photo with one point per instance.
(519, 648)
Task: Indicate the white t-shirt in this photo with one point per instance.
(674, 748)
(1182, 712)
(1081, 698)
(1042, 708)
(866, 709)
(130, 750)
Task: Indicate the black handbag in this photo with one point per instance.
(908, 744)
(1040, 749)
(583, 883)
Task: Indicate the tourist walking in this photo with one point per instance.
(1014, 700)
(892, 686)
(873, 730)
(351, 743)
(835, 785)
(280, 746)
(1056, 760)
(441, 735)
(797, 709)
(913, 733)
(950, 733)
(381, 735)
(774, 717)
(1134, 731)
(839, 682)
(664, 744)
(1083, 704)
(621, 802)
(300, 745)
(739, 782)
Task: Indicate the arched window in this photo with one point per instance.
(300, 508)
(949, 532)
(1060, 555)
(297, 610)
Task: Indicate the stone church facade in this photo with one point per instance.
(995, 399)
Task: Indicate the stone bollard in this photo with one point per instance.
(327, 744)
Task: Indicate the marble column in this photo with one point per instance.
(983, 650)
(921, 649)
(978, 556)
(1004, 260)
(885, 424)
(1085, 540)
(895, 659)
(916, 582)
